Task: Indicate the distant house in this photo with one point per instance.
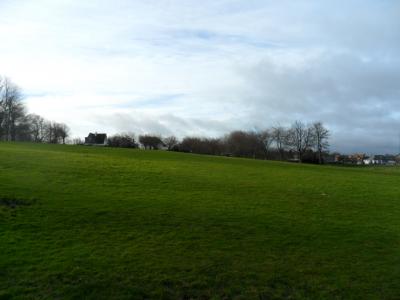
(369, 160)
(390, 159)
(362, 159)
(96, 139)
(354, 159)
(385, 159)
(379, 159)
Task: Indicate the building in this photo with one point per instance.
(385, 159)
(355, 159)
(369, 161)
(96, 139)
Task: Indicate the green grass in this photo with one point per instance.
(100, 223)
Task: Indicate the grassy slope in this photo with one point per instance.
(114, 223)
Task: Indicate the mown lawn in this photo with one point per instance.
(97, 223)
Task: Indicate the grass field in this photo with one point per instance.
(99, 223)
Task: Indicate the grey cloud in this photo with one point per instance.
(357, 99)
(354, 97)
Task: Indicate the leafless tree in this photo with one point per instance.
(321, 136)
(123, 140)
(280, 138)
(246, 144)
(78, 141)
(49, 132)
(265, 138)
(171, 142)
(54, 132)
(301, 138)
(63, 131)
(151, 142)
(23, 130)
(210, 146)
(15, 124)
(1, 106)
(37, 127)
(12, 109)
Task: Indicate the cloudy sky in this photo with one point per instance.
(207, 67)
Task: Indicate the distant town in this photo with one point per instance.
(364, 159)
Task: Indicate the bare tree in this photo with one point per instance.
(321, 135)
(23, 130)
(12, 109)
(265, 138)
(152, 142)
(57, 132)
(210, 146)
(78, 141)
(63, 131)
(37, 127)
(2, 111)
(246, 144)
(171, 142)
(125, 140)
(301, 138)
(15, 124)
(280, 138)
(51, 132)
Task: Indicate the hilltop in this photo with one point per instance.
(102, 223)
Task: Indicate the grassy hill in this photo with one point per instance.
(96, 223)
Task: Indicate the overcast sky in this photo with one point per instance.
(207, 67)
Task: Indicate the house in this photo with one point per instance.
(385, 159)
(368, 160)
(355, 159)
(390, 159)
(379, 159)
(96, 139)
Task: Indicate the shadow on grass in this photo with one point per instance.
(16, 202)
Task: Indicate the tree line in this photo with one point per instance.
(298, 142)
(17, 125)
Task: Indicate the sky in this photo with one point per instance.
(204, 68)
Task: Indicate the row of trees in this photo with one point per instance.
(300, 142)
(126, 140)
(17, 125)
